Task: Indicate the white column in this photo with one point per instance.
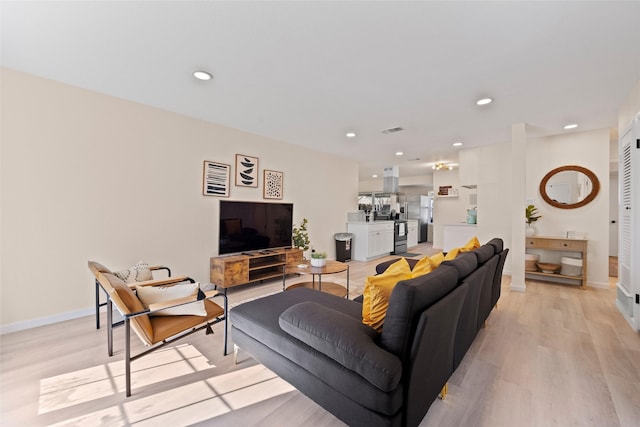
(518, 179)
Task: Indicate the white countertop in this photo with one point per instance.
(370, 222)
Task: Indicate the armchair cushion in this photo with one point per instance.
(138, 273)
(343, 339)
(149, 295)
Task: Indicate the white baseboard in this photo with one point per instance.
(47, 320)
(600, 285)
(518, 288)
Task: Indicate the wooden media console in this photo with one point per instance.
(235, 270)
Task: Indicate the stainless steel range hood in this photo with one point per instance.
(391, 179)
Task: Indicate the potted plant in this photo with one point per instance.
(531, 215)
(301, 236)
(318, 259)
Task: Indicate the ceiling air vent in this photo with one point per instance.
(392, 130)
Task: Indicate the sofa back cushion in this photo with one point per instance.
(468, 322)
(484, 253)
(464, 264)
(408, 300)
(497, 278)
(497, 243)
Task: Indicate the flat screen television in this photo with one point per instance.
(252, 226)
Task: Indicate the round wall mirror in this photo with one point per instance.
(569, 187)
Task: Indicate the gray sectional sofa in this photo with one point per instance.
(317, 341)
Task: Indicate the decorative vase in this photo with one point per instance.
(318, 262)
(531, 230)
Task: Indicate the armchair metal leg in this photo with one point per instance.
(109, 327)
(97, 305)
(127, 355)
(226, 318)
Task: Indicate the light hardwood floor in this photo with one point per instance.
(553, 356)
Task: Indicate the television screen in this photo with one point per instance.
(250, 226)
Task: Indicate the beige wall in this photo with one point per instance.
(87, 176)
(629, 108)
(587, 149)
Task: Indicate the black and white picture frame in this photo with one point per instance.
(273, 184)
(246, 171)
(216, 179)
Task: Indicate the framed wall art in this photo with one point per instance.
(246, 171)
(273, 184)
(215, 180)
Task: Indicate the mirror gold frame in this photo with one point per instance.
(592, 195)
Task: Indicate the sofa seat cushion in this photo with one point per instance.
(259, 319)
(345, 340)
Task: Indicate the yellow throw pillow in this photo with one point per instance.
(437, 259)
(377, 291)
(452, 254)
(472, 244)
(424, 266)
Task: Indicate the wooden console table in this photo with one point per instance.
(558, 244)
(235, 270)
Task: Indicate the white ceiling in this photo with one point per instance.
(308, 72)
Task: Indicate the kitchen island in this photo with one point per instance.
(371, 240)
(457, 235)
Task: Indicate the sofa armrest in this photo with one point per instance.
(345, 340)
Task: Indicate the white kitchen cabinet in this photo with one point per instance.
(371, 239)
(412, 233)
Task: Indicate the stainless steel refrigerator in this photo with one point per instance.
(418, 207)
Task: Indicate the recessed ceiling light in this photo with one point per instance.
(571, 126)
(399, 153)
(351, 134)
(457, 144)
(484, 101)
(202, 75)
(374, 176)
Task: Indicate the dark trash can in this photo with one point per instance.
(343, 246)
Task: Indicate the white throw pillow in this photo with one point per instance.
(155, 294)
(138, 273)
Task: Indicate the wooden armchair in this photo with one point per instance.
(155, 331)
(98, 287)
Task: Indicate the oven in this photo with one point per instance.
(399, 236)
